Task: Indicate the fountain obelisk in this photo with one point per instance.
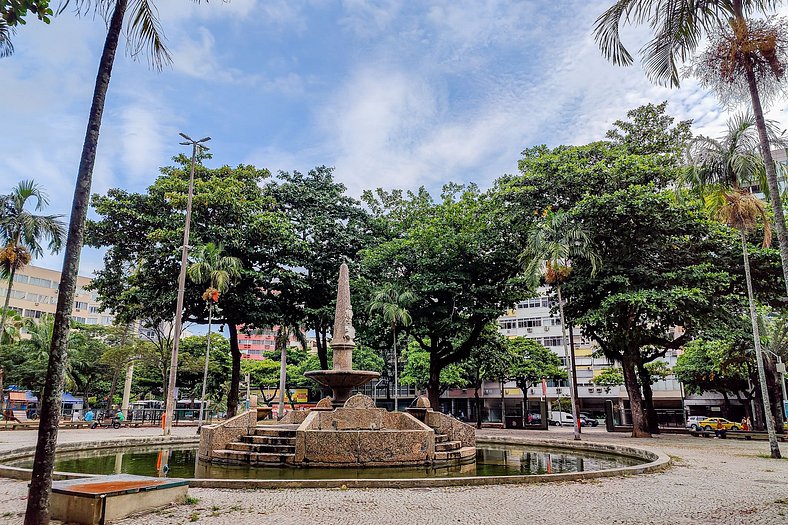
(342, 378)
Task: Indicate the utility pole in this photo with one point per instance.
(205, 372)
(170, 406)
(575, 415)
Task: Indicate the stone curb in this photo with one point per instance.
(656, 461)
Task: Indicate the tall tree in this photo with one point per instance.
(143, 34)
(488, 356)
(531, 362)
(744, 56)
(330, 227)
(22, 232)
(142, 259)
(459, 259)
(554, 245)
(742, 211)
(717, 170)
(392, 306)
(218, 270)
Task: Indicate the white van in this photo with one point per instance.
(561, 419)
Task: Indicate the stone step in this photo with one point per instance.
(268, 440)
(266, 448)
(253, 458)
(448, 445)
(440, 438)
(275, 431)
(463, 453)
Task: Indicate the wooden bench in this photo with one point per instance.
(103, 499)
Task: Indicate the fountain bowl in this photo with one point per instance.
(342, 382)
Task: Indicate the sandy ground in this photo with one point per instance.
(710, 482)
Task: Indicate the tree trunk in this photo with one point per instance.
(434, 383)
(524, 388)
(639, 422)
(652, 420)
(768, 160)
(7, 300)
(775, 448)
(41, 482)
(235, 376)
(282, 377)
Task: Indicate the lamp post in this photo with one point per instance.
(170, 406)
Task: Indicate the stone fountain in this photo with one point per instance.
(342, 431)
(342, 379)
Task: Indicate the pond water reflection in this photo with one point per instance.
(181, 462)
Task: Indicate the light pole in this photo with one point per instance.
(169, 409)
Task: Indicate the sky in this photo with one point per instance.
(392, 93)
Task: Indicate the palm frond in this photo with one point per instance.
(6, 46)
(144, 34)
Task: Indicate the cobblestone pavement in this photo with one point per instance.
(710, 482)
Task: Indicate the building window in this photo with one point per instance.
(91, 320)
(535, 302)
(529, 322)
(33, 314)
(106, 320)
(552, 341)
(79, 319)
(508, 324)
(20, 278)
(94, 309)
(80, 305)
(44, 283)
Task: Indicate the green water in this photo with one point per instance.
(491, 460)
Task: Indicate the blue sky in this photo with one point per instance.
(394, 93)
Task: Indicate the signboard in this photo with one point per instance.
(299, 395)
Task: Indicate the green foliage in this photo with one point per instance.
(13, 13)
(329, 227)
(530, 362)
(609, 377)
(717, 365)
(459, 260)
(417, 370)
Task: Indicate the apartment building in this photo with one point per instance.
(34, 294)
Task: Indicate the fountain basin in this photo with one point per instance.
(342, 382)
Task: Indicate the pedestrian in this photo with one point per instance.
(89, 415)
(720, 430)
(744, 426)
(120, 416)
(749, 423)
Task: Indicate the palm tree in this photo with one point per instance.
(552, 245)
(284, 334)
(143, 34)
(218, 271)
(717, 170)
(392, 306)
(22, 232)
(746, 57)
(741, 210)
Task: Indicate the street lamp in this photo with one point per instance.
(170, 406)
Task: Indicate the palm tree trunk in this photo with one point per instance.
(41, 482)
(775, 449)
(396, 371)
(572, 380)
(768, 160)
(7, 300)
(205, 371)
(282, 375)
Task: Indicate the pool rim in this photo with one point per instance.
(655, 460)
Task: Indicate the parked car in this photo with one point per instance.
(587, 420)
(710, 423)
(561, 418)
(693, 422)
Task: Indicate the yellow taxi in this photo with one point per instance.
(710, 423)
